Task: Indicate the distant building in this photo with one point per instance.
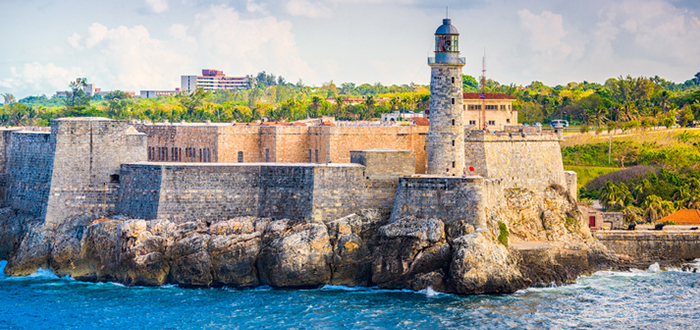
(499, 110)
(401, 115)
(156, 94)
(212, 80)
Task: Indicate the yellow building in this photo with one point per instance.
(499, 110)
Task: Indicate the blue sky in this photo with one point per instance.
(148, 44)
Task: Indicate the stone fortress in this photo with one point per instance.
(315, 174)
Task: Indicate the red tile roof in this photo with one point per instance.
(683, 217)
(421, 121)
(488, 96)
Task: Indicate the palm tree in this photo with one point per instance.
(370, 103)
(656, 208)
(339, 106)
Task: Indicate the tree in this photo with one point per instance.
(9, 98)
(469, 83)
(77, 98)
(696, 79)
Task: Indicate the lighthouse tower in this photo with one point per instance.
(446, 132)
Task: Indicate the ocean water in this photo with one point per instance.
(639, 299)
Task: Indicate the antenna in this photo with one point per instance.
(483, 91)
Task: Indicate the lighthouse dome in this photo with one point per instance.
(446, 27)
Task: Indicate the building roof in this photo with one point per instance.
(420, 121)
(684, 216)
(488, 96)
(446, 27)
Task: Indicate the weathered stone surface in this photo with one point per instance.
(11, 232)
(190, 261)
(101, 253)
(407, 248)
(353, 239)
(295, 254)
(34, 251)
(66, 255)
(480, 265)
(234, 249)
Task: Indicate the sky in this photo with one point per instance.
(137, 45)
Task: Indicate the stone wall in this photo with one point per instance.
(652, 245)
(29, 171)
(185, 192)
(233, 140)
(531, 161)
(571, 183)
(446, 198)
(87, 154)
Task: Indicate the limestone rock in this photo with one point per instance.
(11, 232)
(480, 265)
(66, 255)
(295, 254)
(408, 248)
(190, 264)
(234, 250)
(101, 252)
(143, 253)
(34, 251)
(353, 238)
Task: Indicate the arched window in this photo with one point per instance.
(240, 156)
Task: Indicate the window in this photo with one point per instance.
(114, 178)
(267, 155)
(317, 155)
(492, 122)
(472, 122)
(240, 156)
(311, 156)
(503, 106)
(453, 122)
(453, 144)
(200, 155)
(474, 107)
(508, 121)
(453, 80)
(453, 164)
(453, 100)
(166, 154)
(491, 107)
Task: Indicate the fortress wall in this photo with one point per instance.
(29, 167)
(139, 193)
(533, 162)
(286, 191)
(5, 139)
(88, 153)
(446, 198)
(232, 139)
(180, 136)
(185, 192)
(339, 190)
(383, 168)
(291, 143)
(571, 183)
(335, 143)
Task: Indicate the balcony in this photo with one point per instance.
(447, 60)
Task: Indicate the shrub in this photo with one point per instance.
(503, 233)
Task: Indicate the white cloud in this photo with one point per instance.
(157, 6)
(546, 32)
(253, 7)
(308, 8)
(36, 76)
(130, 58)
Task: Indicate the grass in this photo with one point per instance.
(587, 173)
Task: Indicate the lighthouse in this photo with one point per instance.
(446, 131)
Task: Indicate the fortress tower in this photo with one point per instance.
(446, 134)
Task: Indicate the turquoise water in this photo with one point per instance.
(649, 299)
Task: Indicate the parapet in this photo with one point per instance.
(513, 136)
(385, 162)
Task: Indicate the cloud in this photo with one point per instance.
(37, 76)
(546, 32)
(253, 7)
(308, 8)
(157, 6)
(130, 58)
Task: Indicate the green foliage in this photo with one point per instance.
(469, 83)
(503, 233)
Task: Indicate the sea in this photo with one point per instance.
(639, 299)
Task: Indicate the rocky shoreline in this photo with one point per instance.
(546, 241)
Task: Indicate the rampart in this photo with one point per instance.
(521, 160)
(185, 192)
(30, 164)
(652, 244)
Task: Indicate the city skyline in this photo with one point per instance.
(149, 44)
